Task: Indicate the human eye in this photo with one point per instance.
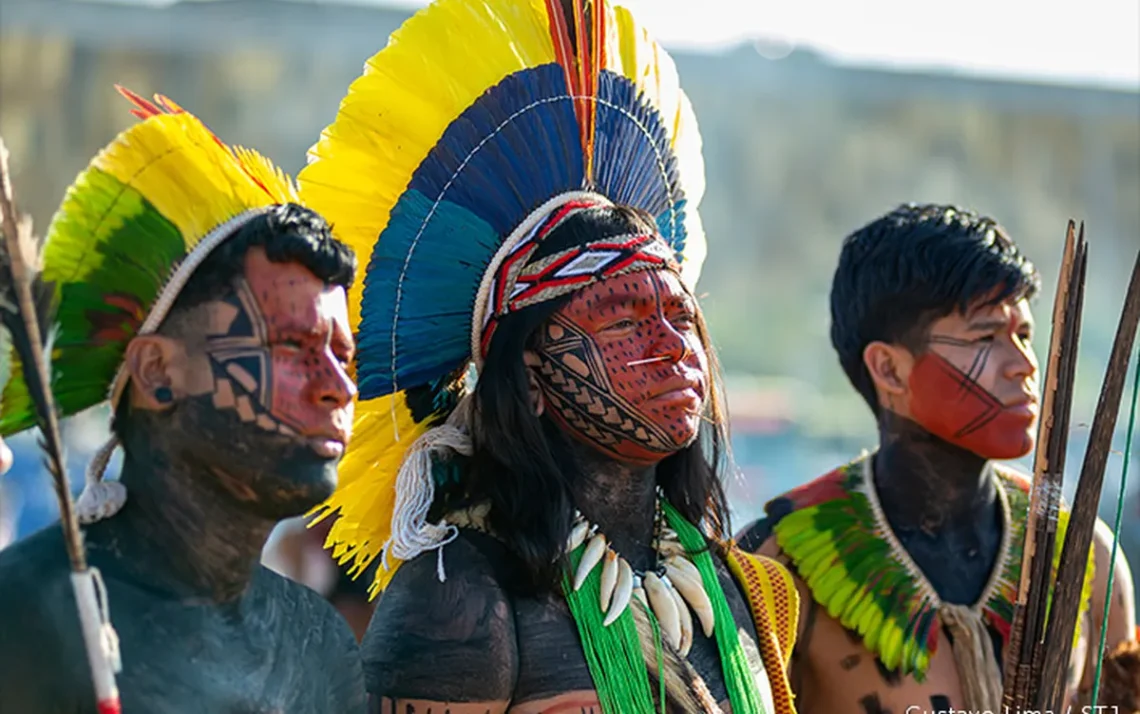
(621, 323)
(292, 342)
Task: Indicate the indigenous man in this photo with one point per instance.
(212, 309)
(908, 559)
(563, 527)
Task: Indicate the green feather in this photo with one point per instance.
(108, 254)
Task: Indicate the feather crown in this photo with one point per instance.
(130, 232)
(476, 123)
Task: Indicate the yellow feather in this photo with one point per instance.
(275, 181)
(434, 67)
(181, 169)
(635, 55)
(366, 493)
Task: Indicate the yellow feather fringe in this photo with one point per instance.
(180, 168)
(434, 67)
(365, 495)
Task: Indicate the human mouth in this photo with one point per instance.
(325, 447)
(1025, 408)
(680, 391)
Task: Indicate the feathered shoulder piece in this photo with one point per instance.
(131, 230)
(837, 536)
(478, 122)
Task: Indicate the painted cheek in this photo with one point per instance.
(295, 374)
(627, 383)
(952, 406)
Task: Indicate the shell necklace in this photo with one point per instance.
(669, 590)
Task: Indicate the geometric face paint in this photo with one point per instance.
(622, 368)
(278, 346)
(975, 384)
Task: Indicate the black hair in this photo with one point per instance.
(524, 465)
(908, 268)
(288, 233)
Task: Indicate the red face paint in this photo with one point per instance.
(280, 346)
(636, 414)
(948, 403)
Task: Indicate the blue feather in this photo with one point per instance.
(436, 295)
(507, 153)
(633, 160)
(513, 149)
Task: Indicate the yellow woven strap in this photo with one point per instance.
(775, 605)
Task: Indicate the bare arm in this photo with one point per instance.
(1121, 625)
(447, 646)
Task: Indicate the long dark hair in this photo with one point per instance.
(523, 465)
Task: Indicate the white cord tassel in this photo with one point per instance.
(100, 499)
(415, 491)
(102, 641)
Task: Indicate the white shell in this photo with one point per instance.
(577, 535)
(672, 548)
(609, 578)
(687, 581)
(664, 607)
(686, 619)
(591, 557)
(622, 592)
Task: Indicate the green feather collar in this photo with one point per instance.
(844, 549)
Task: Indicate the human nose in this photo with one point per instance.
(333, 386)
(1023, 359)
(673, 343)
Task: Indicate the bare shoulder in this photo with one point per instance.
(327, 655)
(451, 641)
(1122, 617)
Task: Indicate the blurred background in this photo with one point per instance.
(817, 116)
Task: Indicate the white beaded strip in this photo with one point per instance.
(523, 233)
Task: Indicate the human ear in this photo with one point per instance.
(150, 361)
(889, 366)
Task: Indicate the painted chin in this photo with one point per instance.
(681, 420)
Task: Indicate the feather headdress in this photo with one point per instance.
(130, 232)
(464, 136)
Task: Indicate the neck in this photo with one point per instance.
(622, 501)
(179, 532)
(927, 484)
